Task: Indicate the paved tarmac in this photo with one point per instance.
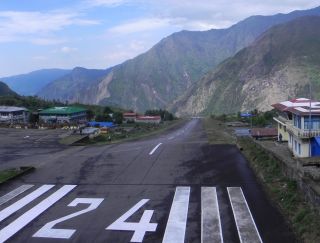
(170, 188)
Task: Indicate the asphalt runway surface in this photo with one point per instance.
(171, 188)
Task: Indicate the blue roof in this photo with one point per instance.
(246, 115)
(101, 124)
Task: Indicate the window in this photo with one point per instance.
(295, 146)
(315, 122)
(285, 128)
(280, 125)
(299, 148)
(297, 121)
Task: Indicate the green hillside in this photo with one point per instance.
(5, 90)
(278, 65)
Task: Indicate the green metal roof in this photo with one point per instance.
(63, 110)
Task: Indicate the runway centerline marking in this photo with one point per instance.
(247, 229)
(34, 212)
(14, 193)
(155, 148)
(176, 225)
(24, 201)
(210, 216)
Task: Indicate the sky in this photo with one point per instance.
(37, 34)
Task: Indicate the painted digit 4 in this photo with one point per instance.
(47, 230)
(139, 228)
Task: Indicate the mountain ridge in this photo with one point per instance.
(278, 65)
(157, 77)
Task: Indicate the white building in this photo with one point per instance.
(299, 124)
(13, 115)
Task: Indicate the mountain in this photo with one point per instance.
(31, 83)
(157, 77)
(79, 85)
(280, 64)
(5, 90)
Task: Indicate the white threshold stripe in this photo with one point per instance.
(154, 149)
(247, 229)
(176, 225)
(24, 201)
(210, 217)
(34, 212)
(14, 193)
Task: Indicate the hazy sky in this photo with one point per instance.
(37, 34)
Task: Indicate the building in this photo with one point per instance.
(285, 114)
(296, 127)
(129, 116)
(259, 133)
(13, 115)
(148, 119)
(60, 115)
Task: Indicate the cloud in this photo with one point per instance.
(220, 13)
(16, 25)
(125, 51)
(67, 49)
(105, 3)
(40, 58)
(140, 25)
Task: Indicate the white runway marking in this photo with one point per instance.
(34, 212)
(139, 228)
(154, 149)
(14, 193)
(24, 201)
(247, 229)
(210, 216)
(176, 225)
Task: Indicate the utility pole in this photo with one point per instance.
(310, 118)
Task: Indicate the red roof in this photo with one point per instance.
(264, 132)
(300, 100)
(130, 114)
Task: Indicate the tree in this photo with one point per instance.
(117, 117)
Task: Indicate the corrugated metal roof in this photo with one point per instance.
(264, 132)
(62, 110)
(12, 108)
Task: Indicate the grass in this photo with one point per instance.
(8, 174)
(284, 191)
(140, 131)
(217, 132)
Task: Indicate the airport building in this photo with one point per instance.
(299, 124)
(60, 115)
(13, 115)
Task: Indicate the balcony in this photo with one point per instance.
(302, 133)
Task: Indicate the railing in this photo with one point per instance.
(302, 133)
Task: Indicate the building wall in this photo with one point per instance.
(299, 147)
(148, 121)
(82, 117)
(14, 117)
(283, 131)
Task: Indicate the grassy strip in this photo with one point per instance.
(9, 174)
(217, 132)
(103, 138)
(284, 191)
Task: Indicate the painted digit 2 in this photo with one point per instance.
(47, 230)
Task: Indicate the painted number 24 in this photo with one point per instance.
(139, 228)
